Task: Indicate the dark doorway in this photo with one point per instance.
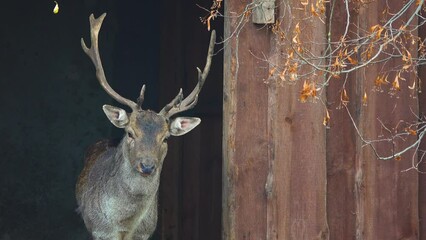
(190, 194)
(52, 102)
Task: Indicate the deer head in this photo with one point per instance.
(144, 144)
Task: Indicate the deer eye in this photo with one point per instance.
(130, 135)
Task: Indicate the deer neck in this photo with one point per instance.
(131, 180)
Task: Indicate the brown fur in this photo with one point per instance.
(116, 199)
(93, 154)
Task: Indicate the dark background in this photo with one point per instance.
(50, 104)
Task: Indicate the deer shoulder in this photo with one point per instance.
(93, 153)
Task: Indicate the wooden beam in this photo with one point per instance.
(274, 146)
(386, 198)
(422, 167)
(342, 137)
(245, 133)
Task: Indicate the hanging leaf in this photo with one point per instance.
(411, 131)
(313, 11)
(380, 80)
(56, 8)
(412, 87)
(272, 71)
(395, 84)
(308, 91)
(352, 61)
(364, 99)
(326, 121)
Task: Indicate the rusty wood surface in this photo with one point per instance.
(341, 139)
(296, 182)
(366, 198)
(422, 166)
(274, 146)
(228, 142)
(245, 137)
(296, 185)
(387, 198)
(365, 195)
(297, 189)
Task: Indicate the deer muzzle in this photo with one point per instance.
(146, 166)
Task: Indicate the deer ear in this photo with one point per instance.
(182, 125)
(116, 115)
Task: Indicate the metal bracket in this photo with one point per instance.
(264, 12)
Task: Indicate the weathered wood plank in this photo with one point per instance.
(274, 146)
(245, 137)
(251, 134)
(228, 142)
(297, 189)
(422, 166)
(388, 199)
(379, 201)
(341, 137)
(298, 198)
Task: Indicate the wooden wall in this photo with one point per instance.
(285, 176)
(422, 177)
(369, 198)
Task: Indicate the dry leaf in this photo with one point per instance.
(304, 3)
(308, 91)
(326, 121)
(364, 99)
(56, 8)
(352, 61)
(313, 11)
(412, 86)
(344, 98)
(395, 84)
(411, 131)
(272, 71)
(380, 80)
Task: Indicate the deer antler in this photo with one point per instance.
(178, 104)
(93, 53)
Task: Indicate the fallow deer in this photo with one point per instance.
(117, 189)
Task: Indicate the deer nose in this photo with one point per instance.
(147, 168)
